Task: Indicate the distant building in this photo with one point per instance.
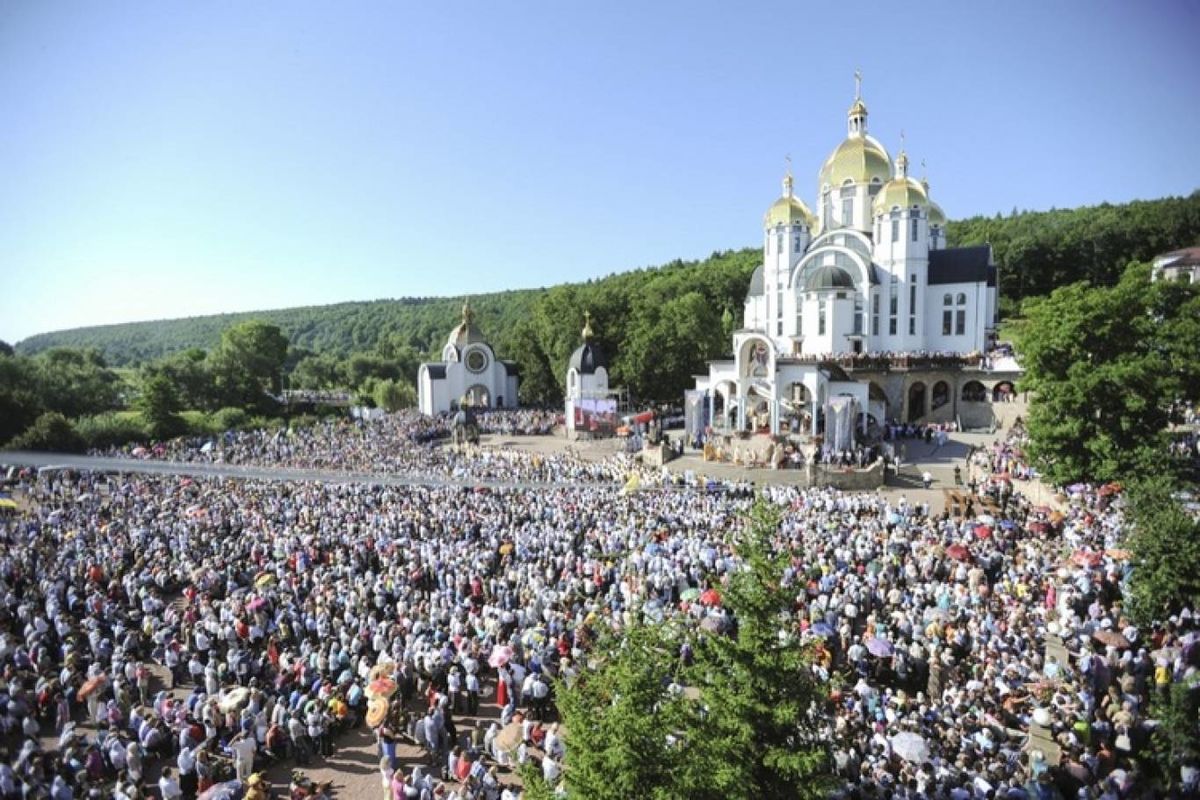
(1178, 265)
(469, 373)
(868, 277)
(590, 406)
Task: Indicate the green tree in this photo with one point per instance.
(248, 365)
(1165, 542)
(160, 405)
(752, 730)
(759, 734)
(395, 395)
(191, 376)
(20, 399)
(320, 371)
(51, 432)
(1101, 375)
(76, 382)
(618, 719)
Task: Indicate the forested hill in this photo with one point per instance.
(1040, 250)
(338, 329)
(1036, 250)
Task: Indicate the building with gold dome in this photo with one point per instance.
(468, 374)
(863, 275)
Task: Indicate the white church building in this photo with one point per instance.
(468, 374)
(866, 276)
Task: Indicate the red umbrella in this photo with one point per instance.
(983, 531)
(92, 685)
(1084, 558)
(958, 552)
(710, 597)
(1038, 527)
(382, 687)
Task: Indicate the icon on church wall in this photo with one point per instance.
(760, 357)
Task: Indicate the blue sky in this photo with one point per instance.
(166, 159)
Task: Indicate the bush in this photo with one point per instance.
(229, 419)
(199, 424)
(50, 432)
(113, 429)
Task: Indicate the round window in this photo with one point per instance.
(476, 361)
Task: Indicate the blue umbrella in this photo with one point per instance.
(1007, 524)
(823, 629)
(894, 519)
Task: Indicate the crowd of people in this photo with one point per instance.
(274, 606)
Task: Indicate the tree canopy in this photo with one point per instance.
(1105, 365)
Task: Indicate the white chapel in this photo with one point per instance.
(469, 373)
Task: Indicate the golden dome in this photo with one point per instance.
(786, 211)
(936, 215)
(902, 192)
(860, 158)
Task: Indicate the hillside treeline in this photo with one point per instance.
(659, 325)
(1039, 251)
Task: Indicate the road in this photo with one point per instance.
(23, 458)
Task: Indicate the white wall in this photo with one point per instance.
(977, 317)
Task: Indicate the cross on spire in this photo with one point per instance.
(858, 84)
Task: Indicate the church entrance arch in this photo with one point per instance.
(478, 396)
(974, 392)
(916, 401)
(941, 395)
(1004, 391)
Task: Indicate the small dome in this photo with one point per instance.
(466, 332)
(586, 359)
(829, 277)
(936, 215)
(902, 192)
(787, 211)
(860, 158)
(756, 281)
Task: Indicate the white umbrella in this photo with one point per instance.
(911, 747)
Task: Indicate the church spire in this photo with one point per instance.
(587, 326)
(788, 183)
(467, 314)
(856, 123)
(902, 160)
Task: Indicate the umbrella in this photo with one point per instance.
(233, 699)
(1007, 524)
(958, 552)
(717, 623)
(377, 711)
(264, 579)
(689, 594)
(823, 629)
(508, 738)
(230, 790)
(912, 747)
(1084, 558)
(206, 447)
(986, 519)
(1057, 517)
(1038, 527)
(879, 647)
(1118, 555)
(983, 531)
(1111, 638)
(382, 670)
(138, 452)
(500, 656)
(381, 687)
(894, 519)
(711, 597)
(1076, 488)
(256, 603)
(92, 685)
(6, 503)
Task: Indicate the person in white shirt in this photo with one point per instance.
(243, 748)
(168, 787)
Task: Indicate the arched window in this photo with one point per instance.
(962, 299)
(947, 300)
(895, 224)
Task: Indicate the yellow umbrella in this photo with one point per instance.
(377, 710)
(264, 579)
(7, 503)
